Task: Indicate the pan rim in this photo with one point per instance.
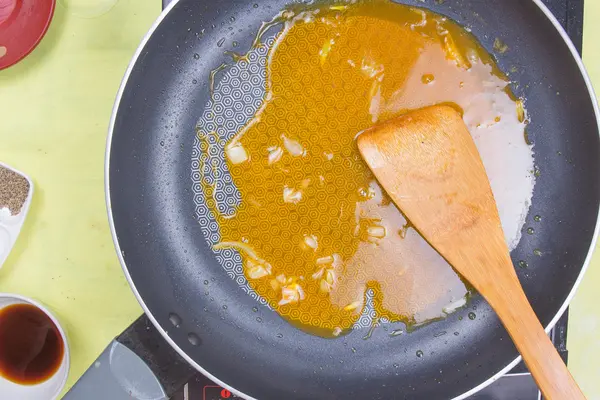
(198, 367)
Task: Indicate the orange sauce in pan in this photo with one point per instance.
(315, 229)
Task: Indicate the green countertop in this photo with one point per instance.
(56, 106)
(584, 318)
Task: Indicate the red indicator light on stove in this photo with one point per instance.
(225, 394)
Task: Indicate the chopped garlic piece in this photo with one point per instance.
(293, 147)
(330, 276)
(328, 280)
(311, 241)
(324, 260)
(473, 56)
(324, 52)
(257, 270)
(337, 330)
(291, 294)
(370, 68)
(337, 260)
(454, 53)
(422, 22)
(300, 292)
(440, 28)
(236, 153)
(450, 308)
(376, 232)
(279, 282)
(275, 154)
(318, 274)
(256, 267)
(521, 111)
(324, 286)
(370, 193)
(291, 195)
(353, 306)
(240, 246)
(500, 46)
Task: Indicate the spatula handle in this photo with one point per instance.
(545, 364)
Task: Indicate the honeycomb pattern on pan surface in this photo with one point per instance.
(231, 107)
(236, 98)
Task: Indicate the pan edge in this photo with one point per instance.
(114, 113)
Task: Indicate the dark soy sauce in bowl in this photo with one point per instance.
(31, 346)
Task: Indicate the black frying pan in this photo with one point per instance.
(150, 192)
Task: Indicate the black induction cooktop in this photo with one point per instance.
(517, 384)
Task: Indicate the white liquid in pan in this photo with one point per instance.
(508, 159)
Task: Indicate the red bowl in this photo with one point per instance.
(23, 24)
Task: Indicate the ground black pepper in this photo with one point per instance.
(14, 189)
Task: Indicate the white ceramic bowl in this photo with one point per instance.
(10, 225)
(50, 388)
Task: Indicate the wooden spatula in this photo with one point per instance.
(429, 165)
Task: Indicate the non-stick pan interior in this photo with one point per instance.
(244, 344)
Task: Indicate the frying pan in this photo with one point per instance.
(227, 334)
